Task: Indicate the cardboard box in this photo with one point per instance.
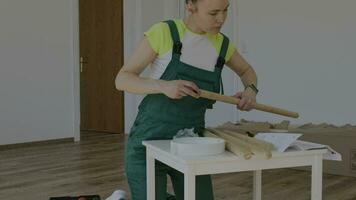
(341, 140)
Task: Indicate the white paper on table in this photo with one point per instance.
(280, 141)
(300, 145)
(289, 142)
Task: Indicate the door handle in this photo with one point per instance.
(82, 62)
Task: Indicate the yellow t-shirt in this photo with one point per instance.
(199, 50)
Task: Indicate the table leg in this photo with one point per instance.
(257, 184)
(317, 177)
(189, 185)
(150, 167)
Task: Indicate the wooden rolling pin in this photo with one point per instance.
(257, 106)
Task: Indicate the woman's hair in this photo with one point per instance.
(193, 1)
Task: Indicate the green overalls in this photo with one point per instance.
(160, 118)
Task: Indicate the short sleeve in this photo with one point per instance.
(155, 35)
(230, 51)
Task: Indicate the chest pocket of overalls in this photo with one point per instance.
(202, 84)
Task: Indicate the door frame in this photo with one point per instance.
(76, 74)
(75, 57)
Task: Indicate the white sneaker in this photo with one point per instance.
(117, 195)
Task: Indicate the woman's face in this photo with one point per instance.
(209, 15)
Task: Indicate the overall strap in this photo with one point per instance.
(223, 50)
(221, 59)
(177, 44)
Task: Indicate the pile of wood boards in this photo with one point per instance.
(241, 144)
(251, 128)
(240, 139)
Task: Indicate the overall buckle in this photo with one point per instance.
(220, 62)
(177, 47)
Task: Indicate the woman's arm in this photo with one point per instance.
(248, 76)
(238, 64)
(128, 78)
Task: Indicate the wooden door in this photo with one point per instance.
(101, 51)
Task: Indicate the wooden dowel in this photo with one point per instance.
(235, 147)
(257, 106)
(259, 146)
(263, 144)
(256, 149)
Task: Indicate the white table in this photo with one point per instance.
(226, 162)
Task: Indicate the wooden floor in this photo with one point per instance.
(95, 166)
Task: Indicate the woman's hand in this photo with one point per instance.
(247, 99)
(178, 89)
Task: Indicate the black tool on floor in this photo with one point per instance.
(84, 197)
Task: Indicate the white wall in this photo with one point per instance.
(303, 52)
(37, 55)
(305, 55)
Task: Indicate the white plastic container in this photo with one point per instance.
(197, 146)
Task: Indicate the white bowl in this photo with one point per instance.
(197, 146)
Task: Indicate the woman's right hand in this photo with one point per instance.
(178, 89)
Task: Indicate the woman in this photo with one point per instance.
(185, 56)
